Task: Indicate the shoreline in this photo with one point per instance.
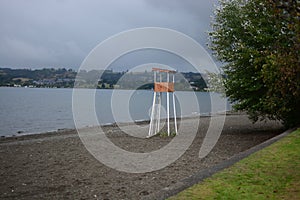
(113, 124)
(58, 166)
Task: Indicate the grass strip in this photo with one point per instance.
(272, 173)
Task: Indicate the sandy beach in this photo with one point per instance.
(58, 166)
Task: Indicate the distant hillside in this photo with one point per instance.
(65, 78)
(37, 78)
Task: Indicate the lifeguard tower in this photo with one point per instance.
(161, 87)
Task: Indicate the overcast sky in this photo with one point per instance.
(60, 33)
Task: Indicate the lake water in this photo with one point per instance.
(37, 110)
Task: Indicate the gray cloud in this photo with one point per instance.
(61, 33)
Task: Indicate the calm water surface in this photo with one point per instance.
(36, 110)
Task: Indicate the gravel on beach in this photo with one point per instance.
(58, 166)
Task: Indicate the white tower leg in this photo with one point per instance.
(174, 110)
(152, 116)
(174, 107)
(159, 110)
(168, 108)
(156, 124)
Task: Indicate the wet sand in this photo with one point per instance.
(58, 166)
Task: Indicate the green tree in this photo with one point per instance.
(259, 42)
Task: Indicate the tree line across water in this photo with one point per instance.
(107, 79)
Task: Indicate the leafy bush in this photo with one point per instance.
(259, 42)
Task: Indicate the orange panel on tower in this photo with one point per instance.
(163, 87)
